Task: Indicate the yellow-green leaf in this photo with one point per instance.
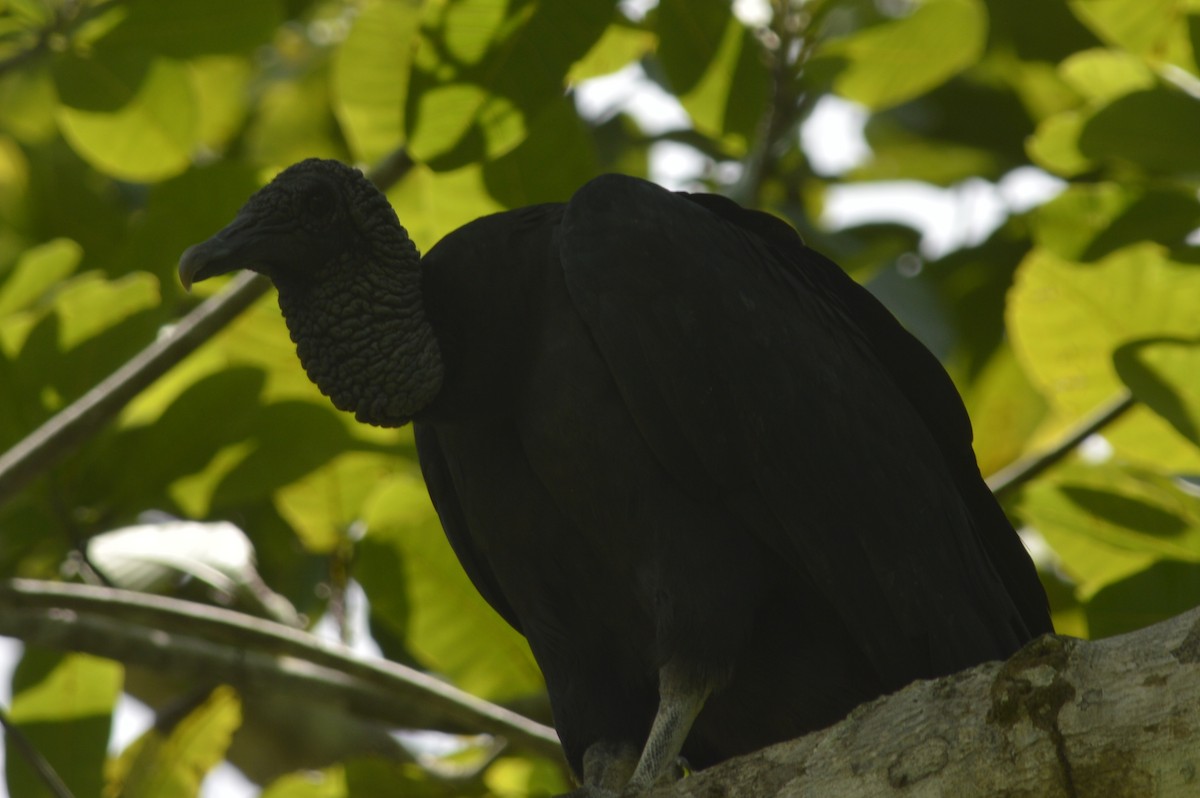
(370, 77)
(1066, 318)
(1161, 373)
(78, 686)
(1103, 75)
(619, 46)
(147, 137)
(1107, 522)
(37, 271)
(449, 626)
(1157, 30)
(63, 703)
(898, 60)
(172, 765)
(1055, 144)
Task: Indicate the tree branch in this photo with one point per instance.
(1064, 718)
(75, 424)
(1021, 471)
(211, 644)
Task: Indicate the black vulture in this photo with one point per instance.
(721, 491)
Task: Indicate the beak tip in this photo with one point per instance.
(190, 264)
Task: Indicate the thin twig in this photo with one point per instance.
(40, 765)
(1021, 471)
(70, 428)
(213, 643)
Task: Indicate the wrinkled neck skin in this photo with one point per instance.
(362, 334)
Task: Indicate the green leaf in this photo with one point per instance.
(474, 89)
(431, 204)
(370, 77)
(187, 28)
(29, 101)
(1101, 76)
(896, 154)
(449, 626)
(1107, 522)
(690, 33)
(328, 782)
(620, 46)
(728, 101)
(1055, 144)
(88, 328)
(181, 211)
(280, 457)
(1005, 411)
(1090, 220)
(36, 272)
(1161, 373)
(714, 66)
(142, 126)
(1156, 30)
(1162, 590)
(898, 60)
(520, 177)
(63, 703)
(1066, 319)
(323, 505)
(173, 764)
(294, 121)
(1152, 129)
(221, 84)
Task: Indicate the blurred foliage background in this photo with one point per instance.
(130, 129)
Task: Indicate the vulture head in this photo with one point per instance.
(349, 284)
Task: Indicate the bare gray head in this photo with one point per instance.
(349, 286)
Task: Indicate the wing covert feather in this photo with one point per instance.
(757, 389)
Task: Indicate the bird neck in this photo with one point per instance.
(363, 336)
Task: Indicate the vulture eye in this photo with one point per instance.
(319, 206)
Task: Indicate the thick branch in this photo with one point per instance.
(211, 644)
(1063, 718)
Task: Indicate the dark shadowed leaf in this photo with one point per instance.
(1162, 374)
(475, 89)
(1153, 129)
(1158, 592)
(520, 177)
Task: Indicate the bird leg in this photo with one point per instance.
(680, 698)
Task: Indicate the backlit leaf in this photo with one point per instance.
(898, 60)
(370, 77)
(1154, 29)
(63, 703)
(450, 628)
(173, 764)
(1161, 373)
(143, 131)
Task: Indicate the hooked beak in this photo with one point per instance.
(237, 246)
